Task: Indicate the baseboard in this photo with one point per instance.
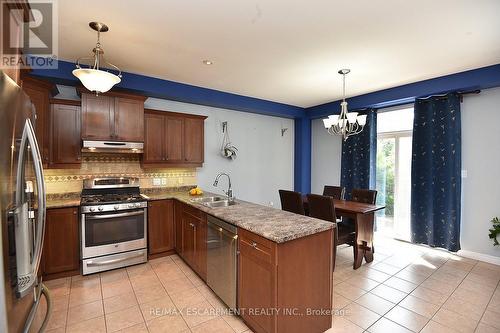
(479, 256)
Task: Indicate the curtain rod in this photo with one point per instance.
(460, 93)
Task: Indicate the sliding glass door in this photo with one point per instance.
(394, 146)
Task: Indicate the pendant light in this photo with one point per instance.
(347, 123)
(93, 77)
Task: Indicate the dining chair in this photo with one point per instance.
(364, 196)
(337, 192)
(322, 207)
(292, 202)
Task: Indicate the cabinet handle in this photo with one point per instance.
(74, 212)
(192, 225)
(254, 245)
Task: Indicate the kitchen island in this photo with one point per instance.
(284, 266)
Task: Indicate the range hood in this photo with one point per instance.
(112, 147)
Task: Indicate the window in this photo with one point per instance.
(394, 145)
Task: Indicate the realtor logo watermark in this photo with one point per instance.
(30, 36)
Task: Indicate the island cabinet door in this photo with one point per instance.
(160, 226)
(61, 242)
(257, 292)
(178, 227)
(188, 238)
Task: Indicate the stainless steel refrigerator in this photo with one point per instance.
(22, 214)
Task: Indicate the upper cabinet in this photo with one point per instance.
(113, 117)
(64, 134)
(173, 139)
(39, 92)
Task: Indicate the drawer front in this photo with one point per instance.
(194, 211)
(256, 246)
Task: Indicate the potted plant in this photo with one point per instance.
(495, 231)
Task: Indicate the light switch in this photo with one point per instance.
(156, 181)
(464, 173)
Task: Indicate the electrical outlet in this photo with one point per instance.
(464, 173)
(156, 181)
(164, 181)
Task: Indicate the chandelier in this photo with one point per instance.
(93, 77)
(346, 123)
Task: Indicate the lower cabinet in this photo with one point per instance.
(61, 242)
(276, 297)
(161, 226)
(178, 208)
(192, 230)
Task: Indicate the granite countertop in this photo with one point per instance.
(61, 200)
(274, 224)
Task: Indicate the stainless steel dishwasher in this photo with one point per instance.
(222, 245)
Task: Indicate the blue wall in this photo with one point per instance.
(481, 78)
(159, 88)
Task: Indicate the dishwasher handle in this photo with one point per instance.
(218, 224)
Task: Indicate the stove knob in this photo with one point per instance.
(131, 206)
(138, 205)
(100, 208)
(91, 209)
(116, 207)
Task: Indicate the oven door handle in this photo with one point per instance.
(110, 216)
(113, 261)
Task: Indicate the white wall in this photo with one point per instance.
(481, 159)
(325, 160)
(265, 158)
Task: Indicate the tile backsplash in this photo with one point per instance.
(116, 165)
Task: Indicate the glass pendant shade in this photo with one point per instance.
(351, 117)
(362, 120)
(96, 80)
(93, 77)
(334, 119)
(327, 123)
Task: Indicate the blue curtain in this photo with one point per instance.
(436, 172)
(359, 157)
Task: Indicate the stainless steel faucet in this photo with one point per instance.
(229, 191)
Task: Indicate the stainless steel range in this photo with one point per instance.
(113, 224)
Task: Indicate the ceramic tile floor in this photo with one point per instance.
(407, 288)
(164, 295)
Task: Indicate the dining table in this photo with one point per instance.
(363, 215)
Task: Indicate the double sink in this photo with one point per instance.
(214, 201)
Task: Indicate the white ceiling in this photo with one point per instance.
(284, 50)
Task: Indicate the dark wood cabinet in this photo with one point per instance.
(193, 135)
(154, 144)
(64, 134)
(257, 279)
(39, 92)
(161, 237)
(191, 228)
(173, 139)
(97, 117)
(129, 119)
(61, 243)
(268, 280)
(112, 116)
(178, 226)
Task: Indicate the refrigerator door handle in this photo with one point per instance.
(32, 254)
